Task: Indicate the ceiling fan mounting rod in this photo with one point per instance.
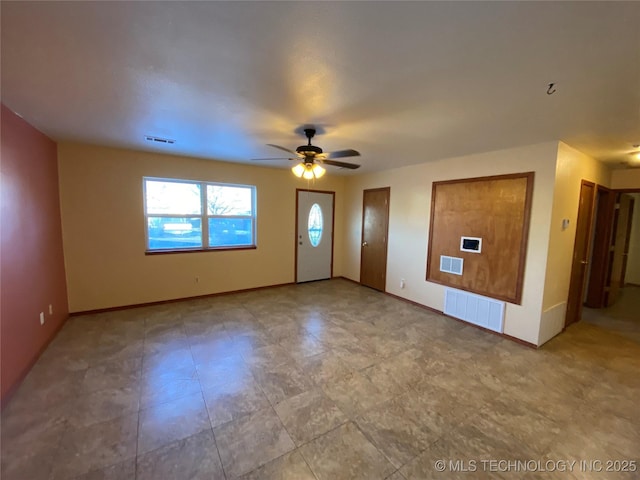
(310, 132)
(308, 149)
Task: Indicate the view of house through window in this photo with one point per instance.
(176, 211)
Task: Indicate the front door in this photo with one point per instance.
(375, 228)
(580, 253)
(314, 235)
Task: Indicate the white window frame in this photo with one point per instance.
(204, 216)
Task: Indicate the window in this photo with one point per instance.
(177, 210)
(314, 225)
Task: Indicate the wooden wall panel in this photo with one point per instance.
(496, 209)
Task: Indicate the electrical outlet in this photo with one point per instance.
(197, 279)
(41, 318)
(50, 309)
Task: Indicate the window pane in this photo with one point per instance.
(174, 233)
(226, 200)
(173, 198)
(230, 232)
(314, 225)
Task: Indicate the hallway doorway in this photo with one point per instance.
(614, 256)
(623, 318)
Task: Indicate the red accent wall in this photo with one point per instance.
(32, 272)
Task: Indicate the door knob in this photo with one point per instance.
(584, 262)
(364, 244)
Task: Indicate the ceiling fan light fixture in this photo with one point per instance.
(306, 154)
(298, 170)
(318, 171)
(308, 171)
(308, 174)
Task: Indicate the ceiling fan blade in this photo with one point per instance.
(343, 153)
(281, 148)
(351, 166)
(274, 158)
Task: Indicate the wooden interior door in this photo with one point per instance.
(620, 246)
(597, 283)
(375, 229)
(580, 253)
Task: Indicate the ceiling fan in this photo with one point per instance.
(311, 156)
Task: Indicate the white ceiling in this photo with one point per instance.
(403, 83)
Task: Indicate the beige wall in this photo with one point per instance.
(103, 229)
(632, 274)
(571, 168)
(625, 178)
(409, 221)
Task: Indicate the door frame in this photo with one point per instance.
(616, 217)
(597, 289)
(627, 240)
(333, 225)
(589, 230)
(386, 233)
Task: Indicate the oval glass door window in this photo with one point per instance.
(315, 225)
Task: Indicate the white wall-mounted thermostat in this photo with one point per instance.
(471, 244)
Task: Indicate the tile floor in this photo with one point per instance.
(327, 380)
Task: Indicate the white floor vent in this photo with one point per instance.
(482, 311)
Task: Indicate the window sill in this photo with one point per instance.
(199, 250)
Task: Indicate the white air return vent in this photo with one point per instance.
(166, 141)
(476, 309)
(451, 264)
